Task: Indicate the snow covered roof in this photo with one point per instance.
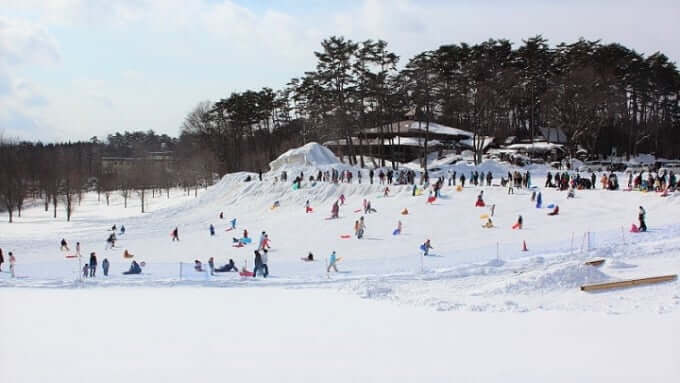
(536, 147)
(410, 126)
(485, 144)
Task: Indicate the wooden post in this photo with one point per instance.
(629, 283)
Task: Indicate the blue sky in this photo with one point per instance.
(73, 69)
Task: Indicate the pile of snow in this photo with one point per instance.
(564, 277)
(311, 155)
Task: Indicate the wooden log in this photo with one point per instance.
(629, 283)
(595, 262)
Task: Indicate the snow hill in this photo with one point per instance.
(501, 313)
(594, 224)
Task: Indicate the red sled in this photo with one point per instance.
(229, 229)
(516, 226)
(71, 256)
(245, 273)
(431, 199)
(357, 211)
(309, 210)
(345, 236)
(634, 229)
(237, 245)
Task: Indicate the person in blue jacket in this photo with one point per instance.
(332, 262)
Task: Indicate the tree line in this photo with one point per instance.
(602, 96)
(59, 174)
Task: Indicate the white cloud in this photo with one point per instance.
(224, 46)
(23, 44)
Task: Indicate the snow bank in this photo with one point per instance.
(563, 277)
(311, 155)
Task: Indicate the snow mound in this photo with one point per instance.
(565, 277)
(311, 155)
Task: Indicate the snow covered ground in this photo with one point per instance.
(479, 307)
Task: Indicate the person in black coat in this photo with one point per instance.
(105, 267)
(93, 264)
(228, 267)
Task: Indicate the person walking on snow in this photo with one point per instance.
(308, 207)
(110, 241)
(12, 263)
(258, 263)
(342, 199)
(211, 265)
(93, 264)
(335, 210)
(105, 267)
(122, 229)
(387, 192)
(641, 218)
(233, 224)
(332, 262)
(2, 259)
(175, 235)
(64, 245)
(78, 249)
(212, 230)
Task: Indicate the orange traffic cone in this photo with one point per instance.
(524, 246)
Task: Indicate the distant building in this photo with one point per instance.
(159, 161)
(404, 140)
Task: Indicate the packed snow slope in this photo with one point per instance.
(470, 267)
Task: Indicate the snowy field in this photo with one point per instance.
(479, 307)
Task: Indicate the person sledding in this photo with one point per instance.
(308, 207)
(231, 266)
(198, 266)
(64, 245)
(518, 224)
(555, 211)
(641, 218)
(488, 224)
(431, 198)
(480, 199)
(571, 193)
(134, 269)
(425, 248)
(310, 256)
(332, 262)
(175, 235)
(397, 231)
